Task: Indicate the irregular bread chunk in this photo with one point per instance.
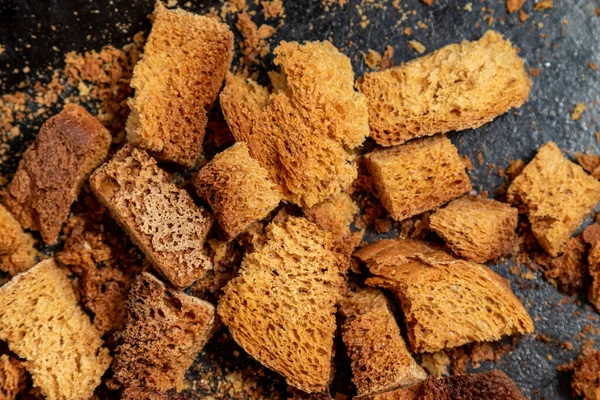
(12, 377)
(586, 375)
(17, 253)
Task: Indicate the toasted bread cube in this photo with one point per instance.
(457, 87)
(556, 194)
(477, 229)
(159, 217)
(418, 176)
(165, 329)
(17, 253)
(185, 61)
(380, 360)
(43, 324)
(69, 146)
(237, 188)
(281, 306)
(447, 302)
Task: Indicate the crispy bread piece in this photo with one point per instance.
(160, 218)
(586, 375)
(447, 302)
(477, 229)
(17, 253)
(281, 306)
(12, 377)
(43, 324)
(237, 188)
(303, 132)
(176, 82)
(69, 146)
(556, 194)
(418, 176)
(380, 360)
(457, 87)
(164, 330)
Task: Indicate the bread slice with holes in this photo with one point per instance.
(447, 302)
(281, 307)
(44, 325)
(380, 359)
(17, 253)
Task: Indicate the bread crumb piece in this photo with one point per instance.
(523, 16)
(12, 377)
(427, 2)
(589, 162)
(17, 253)
(372, 59)
(543, 5)
(578, 111)
(416, 46)
(593, 66)
(514, 5)
(407, 31)
(586, 374)
(436, 364)
(569, 270)
(273, 9)
(468, 7)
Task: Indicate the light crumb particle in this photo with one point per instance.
(372, 59)
(593, 66)
(407, 31)
(513, 6)
(172, 3)
(416, 46)
(578, 111)
(543, 5)
(468, 7)
(427, 2)
(523, 16)
(421, 25)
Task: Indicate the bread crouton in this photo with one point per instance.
(447, 302)
(17, 253)
(12, 377)
(477, 229)
(418, 176)
(237, 188)
(43, 324)
(69, 146)
(303, 132)
(281, 307)
(457, 87)
(159, 217)
(380, 360)
(164, 331)
(176, 82)
(556, 194)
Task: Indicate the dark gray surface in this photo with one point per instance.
(564, 80)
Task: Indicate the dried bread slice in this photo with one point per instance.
(281, 306)
(17, 253)
(457, 87)
(380, 360)
(447, 302)
(178, 78)
(303, 132)
(43, 324)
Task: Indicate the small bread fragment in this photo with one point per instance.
(304, 131)
(43, 324)
(68, 147)
(569, 271)
(281, 307)
(380, 360)
(447, 302)
(164, 330)
(17, 253)
(12, 377)
(586, 374)
(161, 219)
(176, 82)
(418, 176)
(475, 228)
(460, 86)
(237, 188)
(556, 194)
(591, 236)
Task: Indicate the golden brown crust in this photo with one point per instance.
(66, 150)
(418, 176)
(179, 77)
(556, 195)
(17, 253)
(457, 87)
(159, 217)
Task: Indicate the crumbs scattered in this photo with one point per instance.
(273, 9)
(578, 111)
(376, 61)
(513, 6)
(468, 7)
(416, 46)
(593, 66)
(543, 5)
(254, 43)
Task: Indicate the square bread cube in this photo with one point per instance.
(418, 176)
(556, 194)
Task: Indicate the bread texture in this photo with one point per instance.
(165, 329)
(334, 215)
(591, 235)
(460, 86)
(281, 306)
(493, 385)
(477, 229)
(161, 219)
(586, 375)
(380, 359)
(68, 147)
(237, 188)
(447, 302)
(304, 131)
(12, 377)
(556, 194)
(17, 253)
(418, 176)
(176, 82)
(43, 325)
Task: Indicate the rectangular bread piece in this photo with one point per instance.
(160, 218)
(176, 82)
(17, 253)
(418, 176)
(68, 147)
(164, 331)
(556, 194)
(457, 87)
(43, 324)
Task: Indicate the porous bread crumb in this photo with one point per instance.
(591, 235)
(578, 111)
(416, 46)
(586, 374)
(17, 253)
(436, 364)
(273, 9)
(334, 215)
(12, 377)
(590, 163)
(226, 257)
(372, 59)
(543, 5)
(254, 43)
(513, 6)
